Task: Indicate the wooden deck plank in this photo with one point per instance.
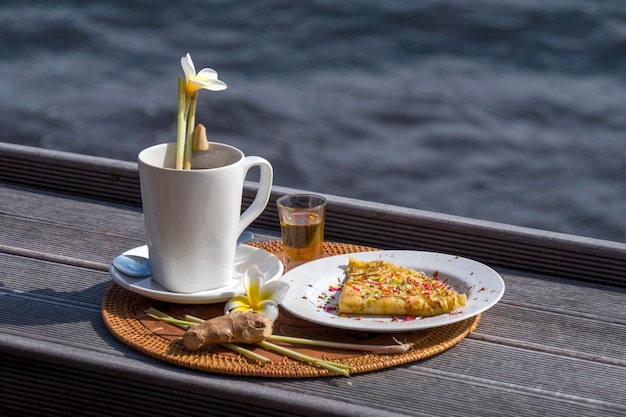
(55, 208)
(530, 370)
(53, 241)
(562, 295)
(87, 392)
(437, 391)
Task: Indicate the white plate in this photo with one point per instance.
(271, 267)
(311, 298)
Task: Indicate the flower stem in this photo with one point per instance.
(181, 134)
(191, 121)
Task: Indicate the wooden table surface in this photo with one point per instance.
(552, 346)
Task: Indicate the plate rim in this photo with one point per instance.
(346, 323)
(211, 297)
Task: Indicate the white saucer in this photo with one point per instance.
(271, 267)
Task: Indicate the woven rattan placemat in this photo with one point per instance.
(123, 313)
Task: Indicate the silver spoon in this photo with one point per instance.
(138, 266)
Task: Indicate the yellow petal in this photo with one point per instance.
(238, 302)
(253, 282)
(240, 309)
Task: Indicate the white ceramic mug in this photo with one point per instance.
(193, 217)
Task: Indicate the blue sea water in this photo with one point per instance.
(505, 110)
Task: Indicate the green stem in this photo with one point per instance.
(154, 313)
(194, 319)
(399, 348)
(247, 353)
(181, 134)
(191, 121)
(331, 366)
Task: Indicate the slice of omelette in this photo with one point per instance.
(383, 288)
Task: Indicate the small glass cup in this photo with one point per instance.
(302, 227)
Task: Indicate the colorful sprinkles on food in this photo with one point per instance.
(380, 288)
(330, 298)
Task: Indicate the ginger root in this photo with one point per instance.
(243, 327)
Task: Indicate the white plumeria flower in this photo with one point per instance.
(259, 298)
(205, 79)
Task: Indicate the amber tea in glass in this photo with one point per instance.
(302, 226)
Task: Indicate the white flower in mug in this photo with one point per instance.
(205, 79)
(188, 89)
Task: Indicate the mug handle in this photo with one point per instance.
(263, 193)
